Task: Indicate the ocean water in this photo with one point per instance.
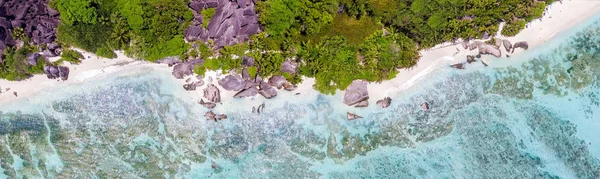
(536, 115)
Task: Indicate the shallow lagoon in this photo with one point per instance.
(530, 116)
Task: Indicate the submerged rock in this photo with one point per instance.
(385, 102)
(212, 93)
(221, 116)
(356, 93)
(353, 116)
(458, 66)
(425, 106)
(362, 104)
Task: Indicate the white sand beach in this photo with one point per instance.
(558, 18)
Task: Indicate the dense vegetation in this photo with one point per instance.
(145, 29)
(334, 41)
(15, 67)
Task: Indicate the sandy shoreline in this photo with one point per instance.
(558, 18)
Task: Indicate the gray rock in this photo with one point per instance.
(471, 59)
(507, 45)
(221, 116)
(32, 59)
(458, 66)
(490, 50)
(385, 102)
(187, 68)
(212, 93)
(247, 61)
(289, 86)
(172, 60)
(356, 93)
(362, 104)
(232, 83)
(266, 90)
(210, 116)
(425, 106)
(208, 105)
(246, 93)
(289, 67)
(352, 116)
(524, 45)
(277, 81)
(54, 72)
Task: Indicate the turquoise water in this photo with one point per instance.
(535, 115)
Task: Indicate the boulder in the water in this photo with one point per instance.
(458, 66)
(210, 116)
(352, 116)
(208, 105)
(425, 106)
(385, 102)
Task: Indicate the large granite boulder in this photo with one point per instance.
(232, 82)
(233, 22)
(246, 93)
(356, 93)
(266, 90)
(54, 72)
(507, 45)
(172, 60)
(32, 58)
(212, 93)
(489, 50)
(38, 21)
(352, 116)
(289, 67)
(187, 68)
(277, 81)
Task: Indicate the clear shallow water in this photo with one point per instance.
(537, 117)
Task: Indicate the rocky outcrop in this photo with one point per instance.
(489, 50)
(233, 22)
(186, 68)
(232, 82)
(208, 105)
(212, 93)
(172, 60)
(266, 90)
(277, 81)
(352, 116)
(524, 45)
(289, 67)
(355, 93)
(507, 45)
(362, 104)
(247, 61)
(38, 21)
(192, 86)
(471, 59)
(425, 106)
(32, 59)
(54, 72)
(458, 66)
(385, 102)
(246, 93)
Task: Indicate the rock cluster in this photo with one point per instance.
(524, 45)
(185, 68)
(38, 21)
(54, 72)
(212, 116)
(212, 93)
(385, 102)
(233, 22)
(357, 94)
(192, 86)
(249, 86)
